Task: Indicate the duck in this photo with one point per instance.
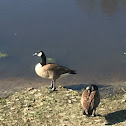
(90, 100)
(51, 70)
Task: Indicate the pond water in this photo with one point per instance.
(86, 35)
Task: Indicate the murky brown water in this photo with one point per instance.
(86, 35)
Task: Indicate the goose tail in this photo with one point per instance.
(72, 72)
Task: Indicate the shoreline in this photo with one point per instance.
(11, 85)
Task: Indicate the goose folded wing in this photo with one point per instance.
(58, 69)
(94, 99)
(85, 102)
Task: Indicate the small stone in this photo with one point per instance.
(102, 109)
(123, 101)
(29, 89)
(64, 124)
(69, 101)
(98, 120)
(67, 94)
(38, 95)
(60, 86)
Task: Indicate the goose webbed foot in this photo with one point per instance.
(84, 112)
(51, 85)
(94, 115)
(53, 89)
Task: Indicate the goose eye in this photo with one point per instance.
(35, 54)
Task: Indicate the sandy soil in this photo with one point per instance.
(42, 107)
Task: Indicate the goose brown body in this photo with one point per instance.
(90, 100)
(50, 71)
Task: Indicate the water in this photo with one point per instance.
(86, 35)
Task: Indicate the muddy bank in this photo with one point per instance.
(13, 84)
(60, 108)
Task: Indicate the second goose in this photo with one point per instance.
(90, 100)
(50, 71)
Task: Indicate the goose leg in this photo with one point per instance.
(53, 85)
(93, 114)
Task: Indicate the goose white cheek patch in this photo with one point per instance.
(39, 54)
(88, 88)
(92, 88)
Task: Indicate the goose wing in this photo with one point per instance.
(85, 102)
(57, 68)
(94, 99)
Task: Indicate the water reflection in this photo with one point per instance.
(110, 7)
(75, 33)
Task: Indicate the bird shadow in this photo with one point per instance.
(80, 87)
(116, 117)
(103, 89)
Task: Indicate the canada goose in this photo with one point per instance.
(50, 71)
(90, 100)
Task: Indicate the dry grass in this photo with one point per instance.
(41, 107)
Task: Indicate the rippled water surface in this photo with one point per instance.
(86, 35)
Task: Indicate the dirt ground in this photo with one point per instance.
(42, 107)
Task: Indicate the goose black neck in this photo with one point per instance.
(43, 61)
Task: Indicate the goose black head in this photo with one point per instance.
(43, 57)
(92, 87)
(39, 53)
